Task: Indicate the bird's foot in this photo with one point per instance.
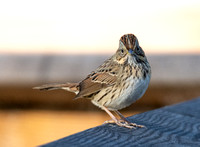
(123, 123)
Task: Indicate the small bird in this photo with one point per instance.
(117, 83)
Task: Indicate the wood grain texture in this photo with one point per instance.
(176, 125)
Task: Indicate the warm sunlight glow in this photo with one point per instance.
(88, 26)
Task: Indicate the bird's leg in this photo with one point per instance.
(121, 116)
(126, 121)
(117, 121)
(114, 119)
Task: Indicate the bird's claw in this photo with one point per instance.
(125, 124)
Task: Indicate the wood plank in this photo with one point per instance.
(177, 125)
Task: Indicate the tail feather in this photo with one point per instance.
(72, 87)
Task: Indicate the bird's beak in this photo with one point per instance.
(131, 51)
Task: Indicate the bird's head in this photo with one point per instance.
(129, 49)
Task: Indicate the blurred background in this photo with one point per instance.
(58, 41)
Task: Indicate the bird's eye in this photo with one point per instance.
(137, 49)
(121, 52)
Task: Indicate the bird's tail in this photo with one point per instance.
(72, 87)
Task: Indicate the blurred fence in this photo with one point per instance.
(174, 79)
(31, 69)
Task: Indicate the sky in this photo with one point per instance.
(95, 27)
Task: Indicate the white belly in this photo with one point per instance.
(135, 91)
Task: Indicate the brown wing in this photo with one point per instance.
(94, 83)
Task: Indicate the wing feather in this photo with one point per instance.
(94, 83)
